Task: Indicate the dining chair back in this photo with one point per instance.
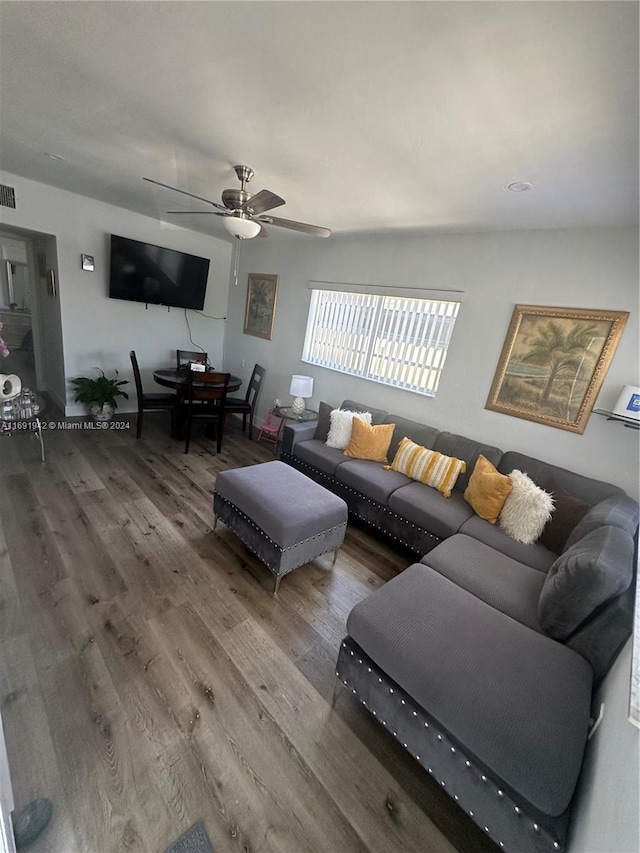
(206, 397)
(246, 407)
(153, 401)
(184, 356)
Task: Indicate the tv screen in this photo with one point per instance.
(141, 272)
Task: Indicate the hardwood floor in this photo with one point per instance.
(150, 679)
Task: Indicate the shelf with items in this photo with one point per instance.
(632, 423)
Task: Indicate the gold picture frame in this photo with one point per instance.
(262, 293)
(553, 363)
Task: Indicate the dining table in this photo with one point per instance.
(179, 379)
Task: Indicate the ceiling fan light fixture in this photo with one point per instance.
(240, 227)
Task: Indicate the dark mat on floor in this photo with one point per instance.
(194, 840)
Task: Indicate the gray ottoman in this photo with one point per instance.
(280, 515)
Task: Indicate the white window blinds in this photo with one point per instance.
(398, 340)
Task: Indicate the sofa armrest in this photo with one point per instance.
(293, 433)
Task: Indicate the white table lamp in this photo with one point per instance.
(301, 387)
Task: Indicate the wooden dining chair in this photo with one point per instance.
(184, 356)
(246, 407)
(206, 396)
(152, 402)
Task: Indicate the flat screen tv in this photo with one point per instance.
(141, 272)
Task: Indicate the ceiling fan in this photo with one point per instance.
(244, 212)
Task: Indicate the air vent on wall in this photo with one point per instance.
(7, 196)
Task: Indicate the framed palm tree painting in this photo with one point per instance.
(260, 310)
(553, 363)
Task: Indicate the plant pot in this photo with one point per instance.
(102, 412)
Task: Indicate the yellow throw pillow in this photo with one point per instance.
(369, 442)
(487, 490)
(428, 466)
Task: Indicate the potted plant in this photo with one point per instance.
(99, 395)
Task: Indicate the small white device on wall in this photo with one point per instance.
(628, 403)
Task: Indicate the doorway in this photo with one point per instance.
(30, 312)
(17, 321)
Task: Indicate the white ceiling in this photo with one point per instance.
(364, 116)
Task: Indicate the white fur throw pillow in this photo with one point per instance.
(526, 509)
(340, 429)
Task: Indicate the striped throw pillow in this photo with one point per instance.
(427, 466)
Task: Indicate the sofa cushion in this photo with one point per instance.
(467, 449)
(499, 580)
(535, 556)
(488, 489)
(371, 479)
(526, 509)
(617, 511)
(428, 509)
(420, 433)
(377, 415)
(593, 571)
(428, 466)
(518, 700)
(369, 442)
(585, 488)
(567, 512)
(317, 453)
(340, 429)
(324, 421)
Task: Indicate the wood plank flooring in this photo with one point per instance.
(148, 677)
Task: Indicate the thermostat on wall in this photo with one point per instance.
(628, 403)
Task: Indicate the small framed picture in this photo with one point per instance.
(260, 310)
(87, 263)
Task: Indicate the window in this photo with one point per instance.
(398, 340)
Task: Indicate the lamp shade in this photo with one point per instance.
(240, 227)
(301, 386)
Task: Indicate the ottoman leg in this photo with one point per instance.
(276, 585)
(336, 689)
(215, 521)
(335, 556)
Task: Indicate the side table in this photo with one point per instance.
(22, 414)
(287, 413)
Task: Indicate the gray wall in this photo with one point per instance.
(578, 268)
(605, 819)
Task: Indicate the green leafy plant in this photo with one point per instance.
(101, 390)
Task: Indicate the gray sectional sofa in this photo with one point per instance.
(482, 656)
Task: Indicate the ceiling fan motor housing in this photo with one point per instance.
(234, 199)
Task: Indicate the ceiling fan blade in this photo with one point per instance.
(184, 192)
(315, 230)
(206, 212)
(263, 232)
(264, 200)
